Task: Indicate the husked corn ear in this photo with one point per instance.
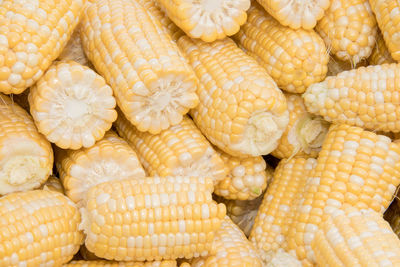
(72, 105)
(230, 248)
(351, 237)
(294, 58)
(380, 54)
(241, 110)
(104, 263)
(38, 228)
(32, 35)
(152, 218)
(73, 50)
(304, 134)
(27, 157)
(269, 232)
(349, 29)
(335, 66)
(247, 177)
(153, 84)
(109, 159)
(53, 184)
(207, 20)
(386, 13)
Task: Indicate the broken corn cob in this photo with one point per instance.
(104, 263)
(380, 54)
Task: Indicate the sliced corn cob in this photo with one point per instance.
(367, 97)
(354, 167)
(241, 109)
(104, 263)
(153, 84)
(73, 50)
(179, 150)
(335, 66)
(304, 134)
(27, 157)
(151, 219)
(296, 13)
(53, 184)
(247, 177)
(380, 54)
(349, 30)
(294, 58)
(277, 208)
(207, 20)
(32, 35)
(351, 237)
(72, 105)
(230, 248)
(109, 159)
(387, 14)
(38, 228)
(21, 99)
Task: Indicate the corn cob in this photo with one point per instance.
(304, 134)
(152, 83)
(230, 248)
(380, 54)
(387, 14)
(53, 184)
(73, 50)
(349, 30)
(366, 97)
(104, 263)
(38, 228)
(277, 208)
(27, 157)
(72, 105)
(109, 159)
(241, 109)
(151, 219)
(351, 237)
(32, 35)
(294, 58)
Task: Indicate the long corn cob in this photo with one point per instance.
(73, 50)
(32, 35)
(109, 159)
(38, 228)
(241, 110)
(72, 105)
(104, 263)
(53, 184)
(27, 157)
(367, 97)
(349, 30)
(380, 54)
(304, 134)
(294, 58)
(152, 218)
(152, 83)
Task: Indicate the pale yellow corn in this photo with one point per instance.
(26, 156)
(53, 184)
(32, 35)
(109, 159)
(152, 83)
(104, 263)
(380, 54)
(73, 50)
(241, 110)
(294, 58)
(38, 228)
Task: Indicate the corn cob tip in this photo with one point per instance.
(315, 95)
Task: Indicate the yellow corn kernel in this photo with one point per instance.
(53, 184)
(380, 54)
(104, 263)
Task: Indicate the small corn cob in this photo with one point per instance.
(104, 263)
(109, 159)
(73, 50)
(241, 110)
(153, 84)
(349, 30)
(380, 54)
(387, 14)
(151, 219)
(367, 97)
(27, 157)
(335, 66)
(38, 228)
(294, 58)
(179, 150)
(304, 134)
(53, 184)
(207, 20)
(247, 177)
(32, 35)
(351, 237)
(72, 105)
(230, 248)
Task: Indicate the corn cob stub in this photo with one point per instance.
(104, 263)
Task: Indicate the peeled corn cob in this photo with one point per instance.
(151, 219)
(53, 184)
(380, 54)
(153, 85)
(241, 109)
(27, 157)
(32, 35)
(73, 50)
(104, 263)
(109, 159)
(294, 58)
(38, 228)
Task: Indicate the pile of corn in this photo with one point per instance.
(199, 133)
